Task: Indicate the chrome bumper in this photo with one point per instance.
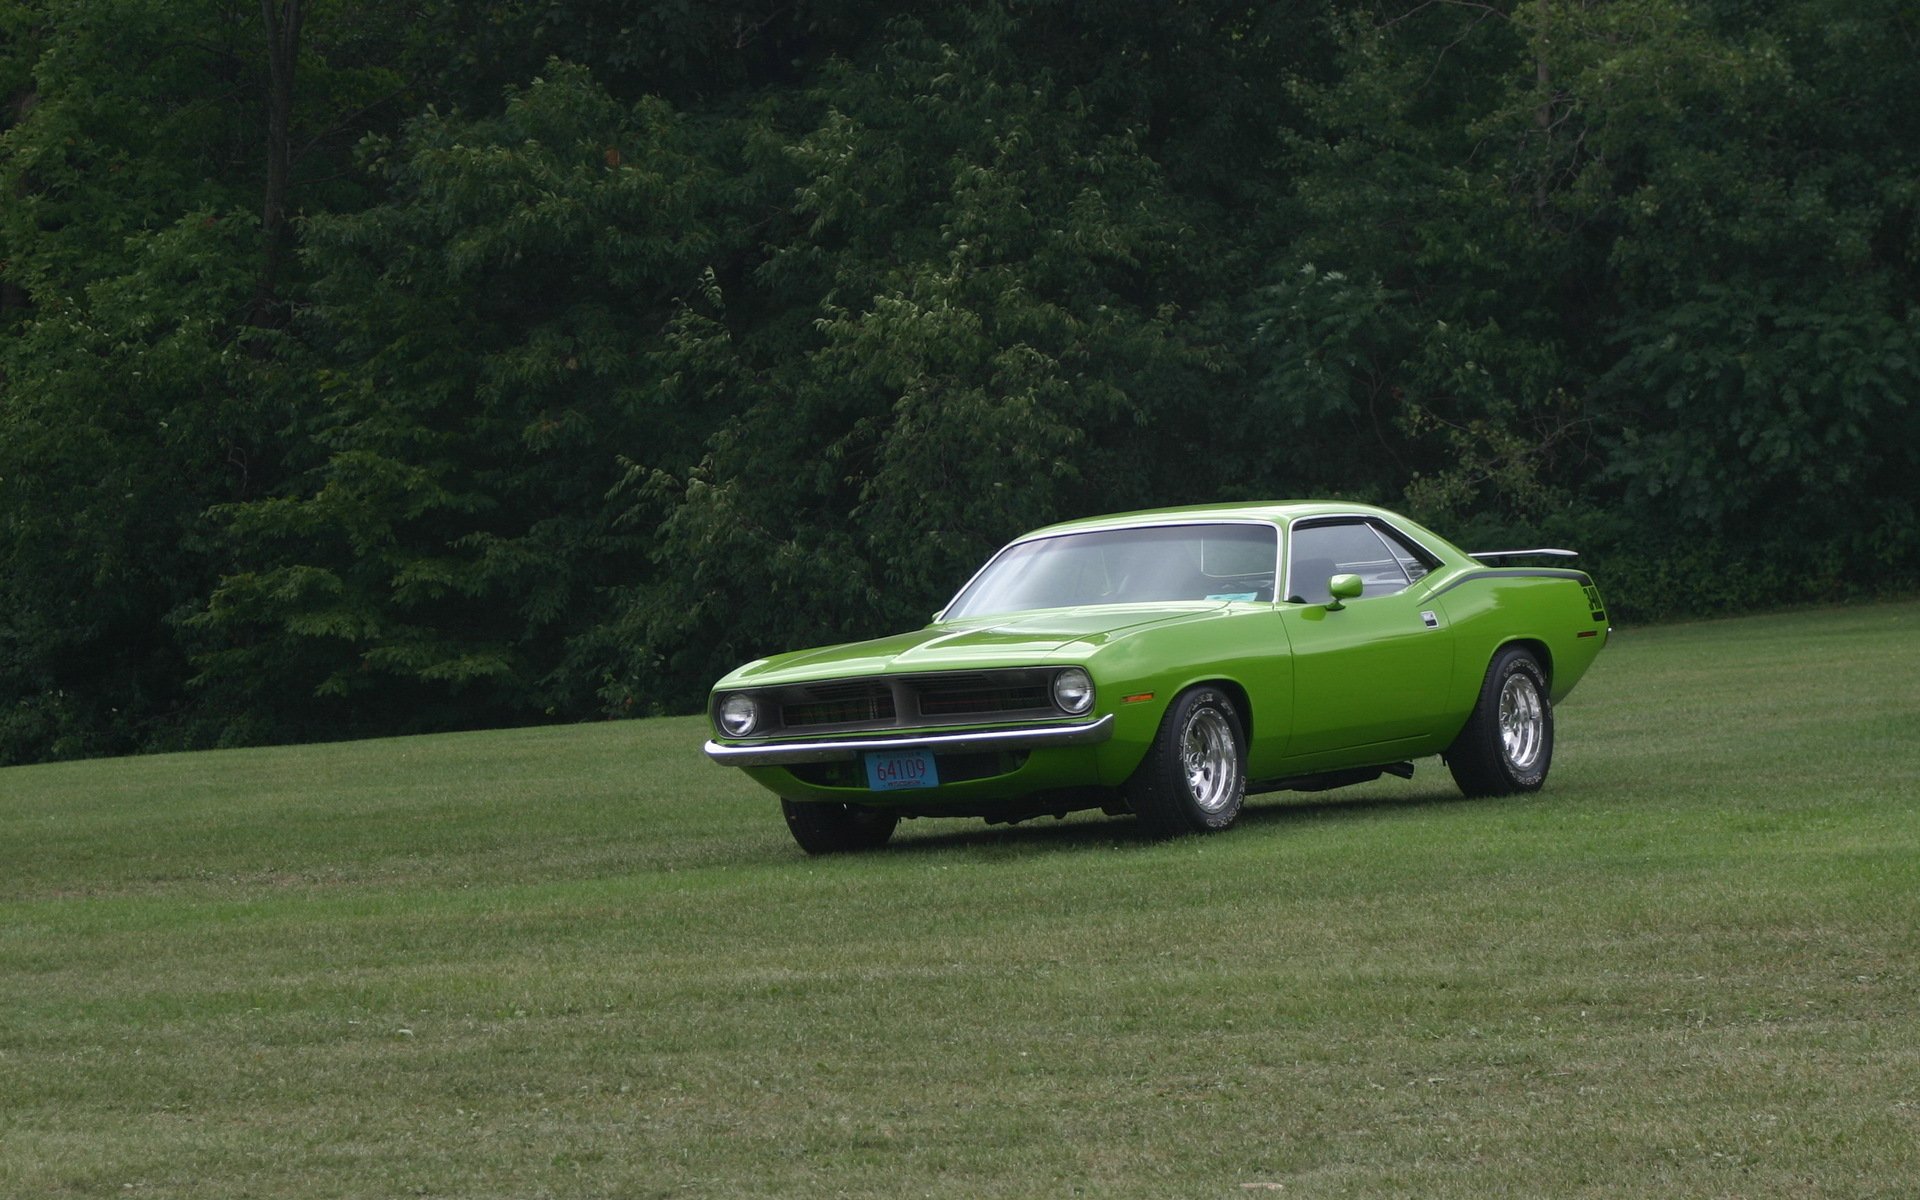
(773, 754)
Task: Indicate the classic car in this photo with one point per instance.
(1167, 664)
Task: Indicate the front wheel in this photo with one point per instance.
(837, 828)
(1507, 744)
(1194, 778)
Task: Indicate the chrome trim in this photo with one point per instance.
(1380, 515)
(772, 754)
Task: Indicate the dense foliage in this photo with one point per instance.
(373, 368)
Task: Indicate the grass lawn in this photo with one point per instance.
(585, 962)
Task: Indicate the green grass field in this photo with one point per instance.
(585, 962)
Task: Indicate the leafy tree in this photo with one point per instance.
(1760, 196)
(133, 391)
(1004, 295)
(1420, 336)
(395, 366)
(121, 414)
(486, 335)
(1644, 256)
(712, 56)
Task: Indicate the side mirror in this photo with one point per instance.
(1344, 587)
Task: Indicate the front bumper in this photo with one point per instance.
(773, 754)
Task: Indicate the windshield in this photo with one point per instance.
(1126, 566)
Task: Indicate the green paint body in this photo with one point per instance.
(1321, 687)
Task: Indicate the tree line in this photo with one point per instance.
(371, 368)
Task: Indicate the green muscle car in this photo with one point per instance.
(1167, 664)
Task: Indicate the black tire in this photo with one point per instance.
(1507, 744)
(1194, 777)
(837, 828)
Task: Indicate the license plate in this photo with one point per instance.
(901, 769)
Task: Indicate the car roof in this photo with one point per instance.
(1276, 512)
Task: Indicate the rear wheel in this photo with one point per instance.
(1507, 744)
(1194, 778)
(837, 828)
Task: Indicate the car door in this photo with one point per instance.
(1371, 674)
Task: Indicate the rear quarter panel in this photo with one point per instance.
(1555, 611)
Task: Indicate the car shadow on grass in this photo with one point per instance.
(1085, 830)
(1277, 807)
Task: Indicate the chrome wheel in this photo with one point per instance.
(1523, 721)
(1211, 758)
(1506, 745)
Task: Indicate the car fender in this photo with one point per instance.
(1242, 648)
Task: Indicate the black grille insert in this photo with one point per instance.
(839, 704)
(966, 694)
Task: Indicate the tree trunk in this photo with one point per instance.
(282, 26)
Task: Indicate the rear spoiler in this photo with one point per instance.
(1490, 556)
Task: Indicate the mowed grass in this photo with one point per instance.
(585, 962)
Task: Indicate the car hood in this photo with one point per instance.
(1010, 640)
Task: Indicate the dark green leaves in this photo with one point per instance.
(594, 351)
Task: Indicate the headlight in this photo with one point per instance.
(738, 715)
(1073, 691)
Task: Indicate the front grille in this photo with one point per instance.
(912, 701)
(962, 695)
(839, 704)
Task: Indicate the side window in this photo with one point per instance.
(1347, 547)
(1413, 560)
